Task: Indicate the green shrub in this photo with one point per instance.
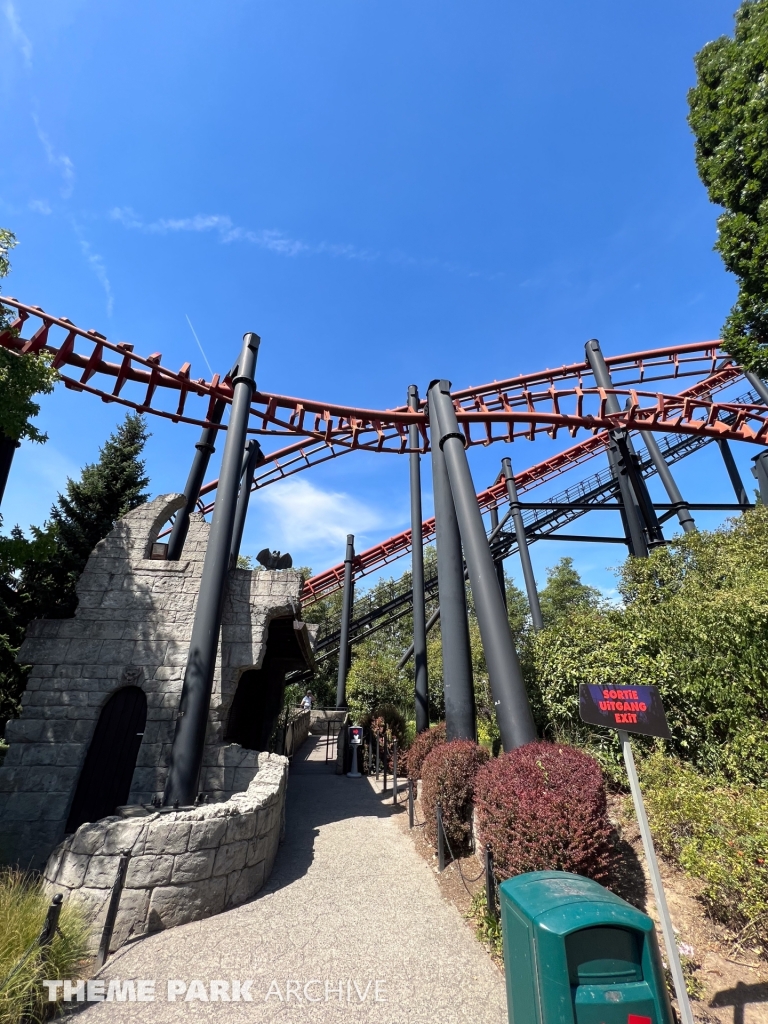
(716, 833)
(695, 624)
(448, 777)
(23, 906)
(542, 807)
(373, 681)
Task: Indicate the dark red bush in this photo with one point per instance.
(542, 808)
(448, 776)
(423, 745)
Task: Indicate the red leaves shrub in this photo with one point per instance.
(422, 746)
(542, 808)
(448, 776)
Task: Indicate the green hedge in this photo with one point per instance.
(716, 833)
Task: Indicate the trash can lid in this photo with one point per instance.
(563, 902)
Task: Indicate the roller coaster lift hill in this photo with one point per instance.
(616, 400)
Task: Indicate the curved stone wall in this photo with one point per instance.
(185, 865)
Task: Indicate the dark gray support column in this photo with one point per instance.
(733, 472)
(192, 720)
(498, 562)
(7, 450)
(665, 475)
(522, 545)
(421, 687)
(458, 685)
(759, 385)
(513, 711)
(639, 515)
(760, 473)
(253, 456)
(346, 618)
(205, 449)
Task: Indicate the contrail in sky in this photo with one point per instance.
(205, 357)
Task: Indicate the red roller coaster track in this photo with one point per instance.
(519, 407)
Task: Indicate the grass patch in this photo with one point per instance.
(23, 906)
(717, 833)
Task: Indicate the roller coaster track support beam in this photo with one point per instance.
(205, 449)
(8, 448)
(458, 687)
(759, 385)
(421, 685)
(522, 545)
(499, 561)
(252, 456)
(513, 712)
(670, 486)
(348, 597)
(760, 473)
(640, 521)
(192, 720)
(733, 473)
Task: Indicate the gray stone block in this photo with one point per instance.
(241, 826)
(193, 867)
(205, 835)
(146, 872)
(172, 906)
(101, 872)
(230, 857)
(168, 836)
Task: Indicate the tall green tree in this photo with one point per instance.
(83, 516)
(565, 594)
(729, 118)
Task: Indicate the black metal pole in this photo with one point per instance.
(490, 884)
(499, 561)
(522, 545)
(253, 456)
(346, 618)
(192, 720)
(394, 771)
(410, 803)
(440, 840)
(51, 923)
(458, 687)
(114, 904)
(205, 449)
(640, 518)
(733, 472)
(513, 712)
(421, 685)
(670, 486)
(760, 473)
(8, 448)
(759, 385)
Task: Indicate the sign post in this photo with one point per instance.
(355, 741)
(639, 709)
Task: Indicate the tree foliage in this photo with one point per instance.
(729, 118)
(564, 594)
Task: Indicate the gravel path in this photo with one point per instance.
(350, 903)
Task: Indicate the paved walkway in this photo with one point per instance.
(349, 903)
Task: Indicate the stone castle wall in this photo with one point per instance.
(185, 865)
(132, 627)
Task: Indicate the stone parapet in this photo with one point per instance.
(185, 864)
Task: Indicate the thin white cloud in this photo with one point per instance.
(39, 206)
(296, 516)
(58, 160)
(17, 32)
(268, 238)
(96, 263)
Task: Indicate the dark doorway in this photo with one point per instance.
(105, 780)
(258, 699)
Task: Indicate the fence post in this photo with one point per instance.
(384, 763)
(51, 921)
(114, 903)
(440, 839)
(410, 803)
(394, 774)
(378, 759)
(490, 884)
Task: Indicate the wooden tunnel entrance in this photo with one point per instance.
(105, 779)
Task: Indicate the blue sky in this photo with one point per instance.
(385, 192)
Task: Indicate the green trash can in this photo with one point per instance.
(574, 953)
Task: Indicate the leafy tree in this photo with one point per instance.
(83, 516)
(565, 594)
(729, 118)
